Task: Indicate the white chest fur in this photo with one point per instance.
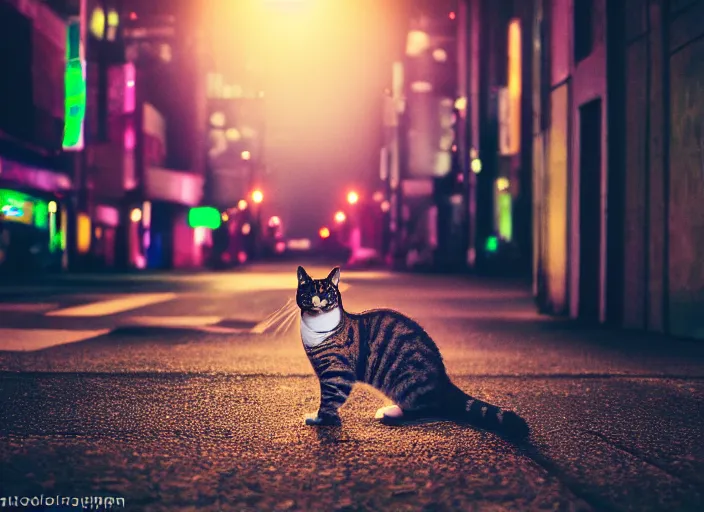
(316, 329)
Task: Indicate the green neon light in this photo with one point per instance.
(492, 244)
(75, 91)
(19, 207)
(41, 214)
(505, 216)
(204, 217)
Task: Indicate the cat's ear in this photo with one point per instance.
(302, 275)
(334, 276)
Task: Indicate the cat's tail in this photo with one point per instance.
(466, 408)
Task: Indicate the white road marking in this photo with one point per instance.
(113, 306)
(38, 339)
(173, 321)
(26, 308)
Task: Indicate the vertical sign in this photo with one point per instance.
(75, 87)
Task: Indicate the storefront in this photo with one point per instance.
(32, 231)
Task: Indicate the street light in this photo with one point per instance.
(257, 196)
(352, 197)
(340, 217)
(324, 233)
(246, 155)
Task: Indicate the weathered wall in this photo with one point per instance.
(664, 194)
(635, 183)
(686, 169)
(588, 83)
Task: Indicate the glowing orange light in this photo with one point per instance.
(246, 155)
(340, 217)
(242, 204)
(257, 196)
(352, 197)
(452, 15)
(324, 233)
(136, 215)
(514, 84)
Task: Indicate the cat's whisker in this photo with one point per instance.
(292, 322)
(274, 317)
(282, 315)
(286, 323)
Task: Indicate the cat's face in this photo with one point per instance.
(318, 295)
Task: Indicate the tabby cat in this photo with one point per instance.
(390, 352)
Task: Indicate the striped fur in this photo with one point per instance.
(392, 353)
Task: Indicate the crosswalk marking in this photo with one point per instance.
(113, 306)
(27, 340)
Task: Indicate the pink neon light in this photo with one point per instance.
(130, 96)
(130, 138)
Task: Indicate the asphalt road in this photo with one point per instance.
(188, 392)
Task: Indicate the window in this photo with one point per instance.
(583, 29)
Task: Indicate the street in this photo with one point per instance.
(188, 392)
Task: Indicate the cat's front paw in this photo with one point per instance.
(322, 421)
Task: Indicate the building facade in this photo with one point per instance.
(35, 177)
(618, 175)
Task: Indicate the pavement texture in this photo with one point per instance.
(197, 401)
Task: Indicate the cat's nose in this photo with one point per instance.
(316, 301)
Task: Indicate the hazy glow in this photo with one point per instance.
(556, 198)
(421, 87)
(246, 228)
(514, 85)
(352, 197)
(378, 196)
(97, 23)
(324, 233)
(246, 155)
(233, 134)
(340, 217)
(242, 204)
(309, 60)
(417, 42)
(502, 184)
(274, 221)
(53, 207)
(83, 232)
(136, 215)
(217, 119)
(385, 206)
(257, 196)
(476, 165)
(439, 55)
(225, 217)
